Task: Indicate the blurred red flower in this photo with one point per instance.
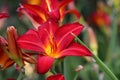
(3, 15)
(100, 18)
(48, 9)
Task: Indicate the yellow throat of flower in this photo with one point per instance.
(51, 48)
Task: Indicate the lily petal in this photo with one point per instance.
(62, 5)
(73, 11)
(33, 21)
(76, 49)
(47, 30)
(35, 11)
(50, 5)
(56, 77)
(5, 61)
(8, 64)
(30, 41)
(44, 63)
(64, 36)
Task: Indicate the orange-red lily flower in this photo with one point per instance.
(56, 77)
(53, 42)
(100, 18)
(54, 9)
(10, 53)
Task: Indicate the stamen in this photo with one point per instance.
(52, 46)
(48, 4)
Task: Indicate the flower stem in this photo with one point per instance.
(99, 62)
(21, 75)
(105, 68)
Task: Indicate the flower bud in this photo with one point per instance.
(13, 51)
(79, 68)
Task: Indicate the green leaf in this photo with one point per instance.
(70, 63)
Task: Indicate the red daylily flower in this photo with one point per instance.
(10, 53)
(53, 42)
(53, 9)
(56, 77)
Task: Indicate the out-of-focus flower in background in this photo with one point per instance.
(48, 9)
(100, 17)
(3, 15)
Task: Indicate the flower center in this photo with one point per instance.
(51, 48)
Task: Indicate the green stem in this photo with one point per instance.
(99, 62)
(105, 68)
(112, 44)
(21, 76)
